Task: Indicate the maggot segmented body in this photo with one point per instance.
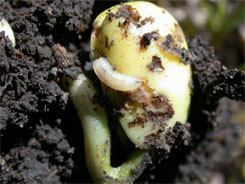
(143, 41)
(117, 81)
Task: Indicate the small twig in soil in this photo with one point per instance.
(60, 54)
(41, 122)
(51, 175)
(8, 81)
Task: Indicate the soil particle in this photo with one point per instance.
(173, 137)
(27, 83)
(213, 78)
(40, 160)
(215, 150)
(26, 87)
(35, 152)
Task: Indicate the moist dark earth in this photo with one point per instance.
(41, 135)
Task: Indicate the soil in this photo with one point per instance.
(41, 135)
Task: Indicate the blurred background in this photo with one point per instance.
(221, 22)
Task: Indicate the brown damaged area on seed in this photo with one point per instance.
(127, 12)
(142, 95)
(107, 44)
(100, 52)
(131, 16)
(96, 29)
(139, 121)
(124, 28)
(110, 15)
(145, 21)
(155, 65)
(157, 109)
(176, 33)
(145, 40)
(169, 45)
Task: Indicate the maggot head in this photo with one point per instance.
(139, 41)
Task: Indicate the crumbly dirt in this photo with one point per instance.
(41, 136)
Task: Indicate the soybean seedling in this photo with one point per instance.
(136, 49)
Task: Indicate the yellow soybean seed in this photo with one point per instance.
(137, 51)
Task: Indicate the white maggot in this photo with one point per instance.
(112, 78)
(4, 26)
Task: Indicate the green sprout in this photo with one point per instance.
(136, 49)
(98, 138)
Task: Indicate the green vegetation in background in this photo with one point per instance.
(219, 23)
